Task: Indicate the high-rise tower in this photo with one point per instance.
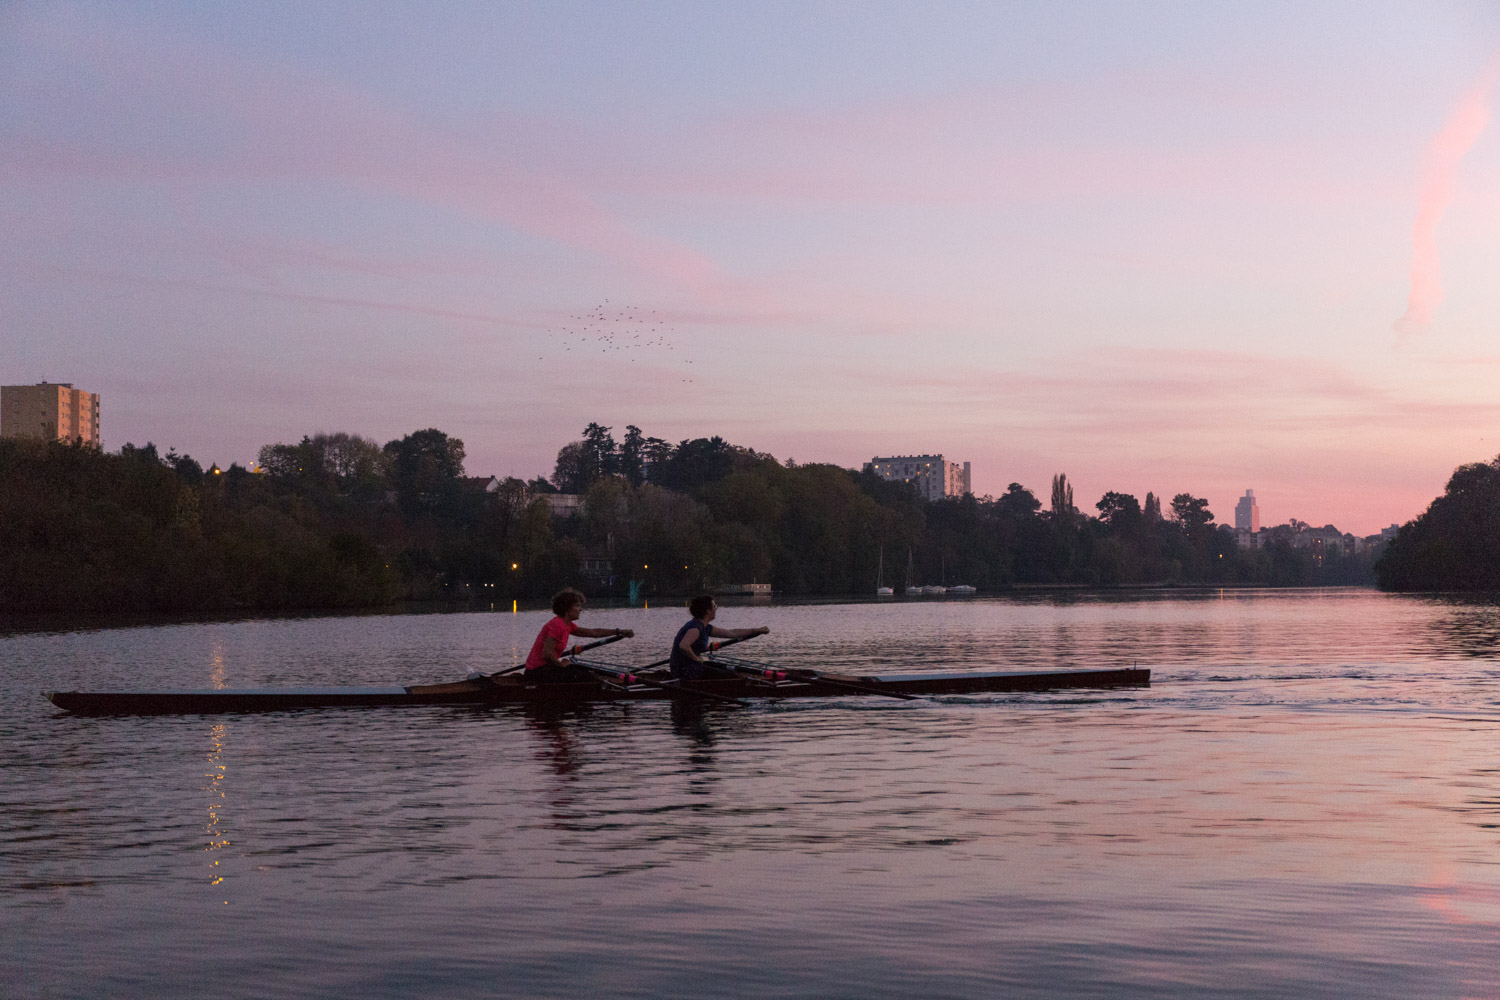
(1247, 513)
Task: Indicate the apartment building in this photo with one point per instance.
(50, 411)
(934, 476)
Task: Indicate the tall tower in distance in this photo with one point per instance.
(50, 411)
(1247, 513)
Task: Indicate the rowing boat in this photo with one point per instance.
(510, 690)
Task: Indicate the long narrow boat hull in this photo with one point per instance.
(511, 690)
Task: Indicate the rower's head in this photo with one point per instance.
(567, 604)
(703, 607)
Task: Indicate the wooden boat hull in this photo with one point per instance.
(511, 690)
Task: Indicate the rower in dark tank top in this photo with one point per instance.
(691, 643)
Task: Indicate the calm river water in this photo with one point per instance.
(1305, 803)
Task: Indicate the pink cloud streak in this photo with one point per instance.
(1465, 124)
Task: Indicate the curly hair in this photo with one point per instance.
(565, 599)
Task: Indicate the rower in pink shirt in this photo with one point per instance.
(546, 663)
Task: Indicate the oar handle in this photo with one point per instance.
(567, 652)
(595, 645)
(711, 647)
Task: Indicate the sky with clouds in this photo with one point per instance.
(1165, 247)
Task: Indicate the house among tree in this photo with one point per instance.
(597, 567)
(481, 484)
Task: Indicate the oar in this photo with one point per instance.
(571, 652)
(811, 677)
(711, 648)
(626, 677)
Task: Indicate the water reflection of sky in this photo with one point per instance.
(1304, 803)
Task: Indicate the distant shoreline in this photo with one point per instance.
(32, 622)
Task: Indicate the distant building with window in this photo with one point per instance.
(562, 504)
(50, 411)
(1247, 513)
(597, 567)
(934, 476)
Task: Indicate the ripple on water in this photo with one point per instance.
(1304, 803)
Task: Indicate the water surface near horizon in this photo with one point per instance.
(1305, 802)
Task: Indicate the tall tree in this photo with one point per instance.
(633, 455)
(1191, 512)
(1018, 503)
(697, 463)
(1119, 510)
(354, 461)
(146, 454)
(656, 453)
(186, 467)
(1062, 498)
(1152, 513)
(427, 468)
(600, 448)
(574, 468)
(283, 461)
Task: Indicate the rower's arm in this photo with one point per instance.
(736, 633)
(551, 654)
(686, 645)
(604, 633)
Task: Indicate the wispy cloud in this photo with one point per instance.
(205, 115)
(1192, 392)
(1465, 124)
(190, 284)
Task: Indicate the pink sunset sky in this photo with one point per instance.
(1187, 248)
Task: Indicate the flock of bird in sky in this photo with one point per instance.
(607, 329)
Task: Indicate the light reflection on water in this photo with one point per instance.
(1305, 802)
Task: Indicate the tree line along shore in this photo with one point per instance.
(338, 520)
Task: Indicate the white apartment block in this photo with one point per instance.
(52, 411)
(934, 476)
